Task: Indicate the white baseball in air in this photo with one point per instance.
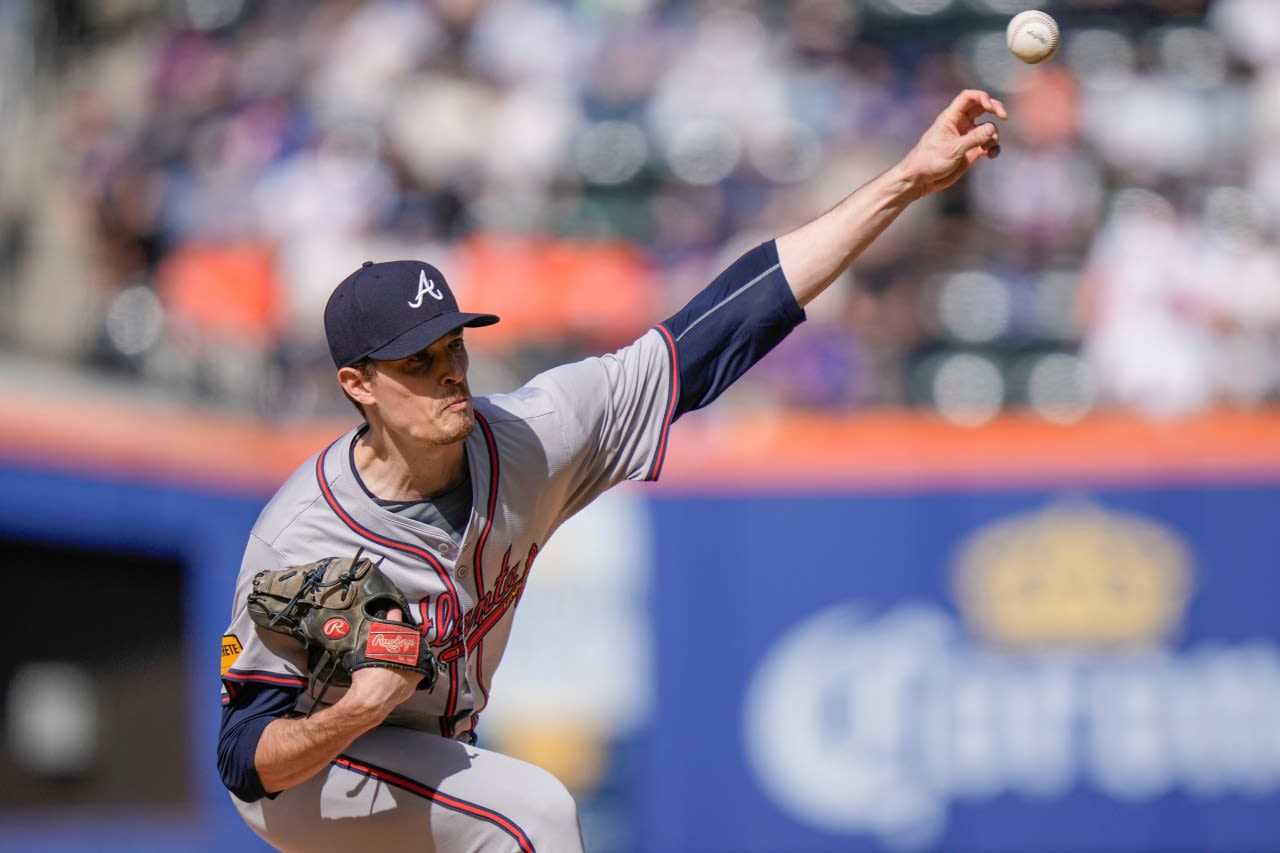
(1032, 36)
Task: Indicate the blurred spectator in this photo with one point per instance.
(1149, 338)
(1184, 303)
(220, 165)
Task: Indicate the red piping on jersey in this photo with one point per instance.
(502, 822)
(255, 677)
(446, 719)
(397, 545)
(655, 470)
(451, 591)
(492, 446)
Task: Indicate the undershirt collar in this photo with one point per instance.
(449, 511)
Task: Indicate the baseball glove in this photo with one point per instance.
(337, 608)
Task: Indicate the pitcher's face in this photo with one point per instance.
(425, 396)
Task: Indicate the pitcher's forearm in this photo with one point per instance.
(293, 750)
(815, 254)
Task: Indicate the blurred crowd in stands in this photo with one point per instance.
(186, 180)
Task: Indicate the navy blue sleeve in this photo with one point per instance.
(243, 719)
(730, 325)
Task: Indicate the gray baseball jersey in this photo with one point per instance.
(537, 456)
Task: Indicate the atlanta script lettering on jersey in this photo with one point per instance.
(460, 638)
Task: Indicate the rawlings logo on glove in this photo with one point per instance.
(337, 608)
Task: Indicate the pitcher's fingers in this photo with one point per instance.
(983, 135)
(970, 102)
(991, 105)
(974, 103)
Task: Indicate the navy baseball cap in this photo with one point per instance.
(392, 310)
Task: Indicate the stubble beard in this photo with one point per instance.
(457, 430)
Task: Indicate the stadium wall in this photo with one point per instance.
(884, 633)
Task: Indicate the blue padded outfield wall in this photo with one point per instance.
(982, 671)
(978, 669)
(205, 533)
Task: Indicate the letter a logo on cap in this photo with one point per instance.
(425, 285)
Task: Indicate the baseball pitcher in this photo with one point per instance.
(377, 590)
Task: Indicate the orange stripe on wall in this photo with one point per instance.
(887, 450)
(708, 450)
(138, 442)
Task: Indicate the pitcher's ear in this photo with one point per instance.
(357, 381)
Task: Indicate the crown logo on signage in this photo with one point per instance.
(1073, 575)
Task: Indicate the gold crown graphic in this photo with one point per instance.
(1073, 575)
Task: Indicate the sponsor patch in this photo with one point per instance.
(231, 650)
